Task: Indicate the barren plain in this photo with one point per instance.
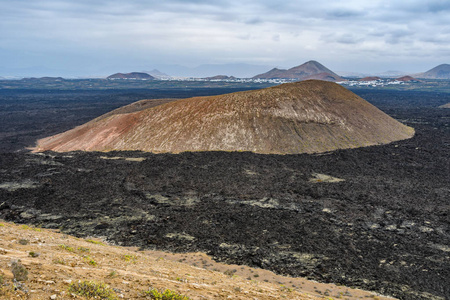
(375, 218)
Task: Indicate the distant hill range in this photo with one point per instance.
(309, 70)
(132, 75)
(407, 79)
(303, 117)
(158, 74)
(45, 79)
(445, 105)
(220, 77)
(439, 72)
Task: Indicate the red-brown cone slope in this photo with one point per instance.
(302, 117)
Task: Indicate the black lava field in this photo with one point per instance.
(385, 226)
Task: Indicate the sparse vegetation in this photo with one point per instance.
(90, 260)
(83, 249)
(19, 271)
(67, 248)
(23, 242)
(95, 242)
(91, 289)
(230, 272)
(165, 295)
(112, 274)
(285, 288)
(129, 258)
(33, 254)
(59, 261)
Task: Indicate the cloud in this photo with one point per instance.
(345, 13)
(76, 33)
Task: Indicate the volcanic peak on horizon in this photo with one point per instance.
(303, 117)
(439, 72)
(309, 70)
(132, 75)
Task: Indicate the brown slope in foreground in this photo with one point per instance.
(302, 117)
(54, 261)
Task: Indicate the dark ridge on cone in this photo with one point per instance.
(303, 117)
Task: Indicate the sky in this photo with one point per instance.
(88, 38)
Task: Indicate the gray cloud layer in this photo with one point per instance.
(345, 35)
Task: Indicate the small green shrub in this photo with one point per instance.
(82, 249)
(33, 254)
(59, 261)
(95, 242)
(129, 258)
(165, 295)
(67, 248)
(91, 289)
(90, 260)
(19, 271)
(23, 242)
(230, 272)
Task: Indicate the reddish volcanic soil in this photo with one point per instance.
(303, 117)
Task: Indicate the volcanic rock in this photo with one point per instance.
(132, 75)
(309, 70)
(303, 117)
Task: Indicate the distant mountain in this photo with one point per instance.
(220, 77)
(37, 72)
(132, 75)
(407, 79)
(45, 79)
(309, 70)
(439, 72)
(325, 77)
(158, 74)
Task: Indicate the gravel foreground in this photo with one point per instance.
(54, 262)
